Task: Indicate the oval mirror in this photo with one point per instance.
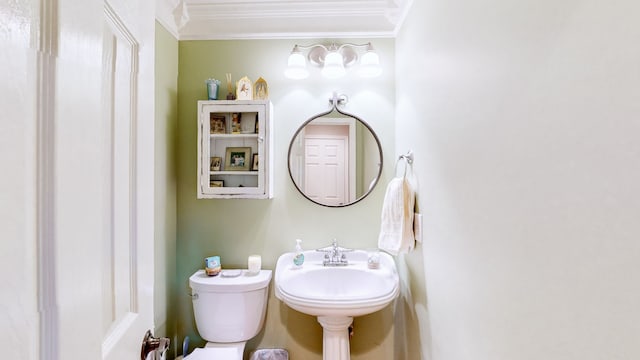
(335, 158)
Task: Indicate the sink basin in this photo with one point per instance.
(336, 294)
(351, 290)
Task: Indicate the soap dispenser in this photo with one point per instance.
(298, 257)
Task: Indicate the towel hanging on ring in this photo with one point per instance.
(396, 228)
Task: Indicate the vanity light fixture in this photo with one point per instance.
(334, 59)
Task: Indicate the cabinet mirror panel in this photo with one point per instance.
(335, 159)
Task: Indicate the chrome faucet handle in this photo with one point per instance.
(334, 254)
(334, 248)
(340, 248)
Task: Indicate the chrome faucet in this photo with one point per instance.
(334, 255)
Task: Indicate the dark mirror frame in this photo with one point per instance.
(335, 101)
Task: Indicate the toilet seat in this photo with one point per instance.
(217, 351)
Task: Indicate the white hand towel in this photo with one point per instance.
(396, 230)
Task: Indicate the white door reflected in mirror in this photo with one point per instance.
(335, 159)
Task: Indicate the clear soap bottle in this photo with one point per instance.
(298, 257)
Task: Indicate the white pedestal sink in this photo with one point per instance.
(336, 294)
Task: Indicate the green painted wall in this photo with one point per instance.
(166, 115)
(234, 229)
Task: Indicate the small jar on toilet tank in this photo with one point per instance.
(254, 264)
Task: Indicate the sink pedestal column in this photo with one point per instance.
(335, 337)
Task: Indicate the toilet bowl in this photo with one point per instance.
(229, 310)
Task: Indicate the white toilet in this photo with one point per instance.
(229, 309)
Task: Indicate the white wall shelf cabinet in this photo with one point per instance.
(230, 134)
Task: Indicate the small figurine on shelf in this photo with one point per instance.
(235, 123)
(261, 90)
(230, 95)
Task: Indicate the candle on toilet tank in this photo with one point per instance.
(254, 264)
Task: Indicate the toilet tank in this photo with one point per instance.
(229, 309)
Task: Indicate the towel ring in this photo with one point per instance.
(408, 160)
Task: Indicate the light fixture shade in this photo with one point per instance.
(296, 66)
(334, 59)
(333, 65)
(370, 65)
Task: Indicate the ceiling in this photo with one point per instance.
(274, 19)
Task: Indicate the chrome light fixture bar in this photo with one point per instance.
(334, 59)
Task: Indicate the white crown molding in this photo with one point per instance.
(216, 10)
(275, 19)
(404, 6)
(166, 11)
(287, 35)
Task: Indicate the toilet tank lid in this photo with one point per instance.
(246, 282)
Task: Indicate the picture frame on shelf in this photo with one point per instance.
(217, 124)
(216, 183)
(254, 163)
(248, 123)
(216, 162)
(244, 89)
(237, 159)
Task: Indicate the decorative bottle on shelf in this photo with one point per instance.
(298, 257)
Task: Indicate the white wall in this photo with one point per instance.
(524, 118)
